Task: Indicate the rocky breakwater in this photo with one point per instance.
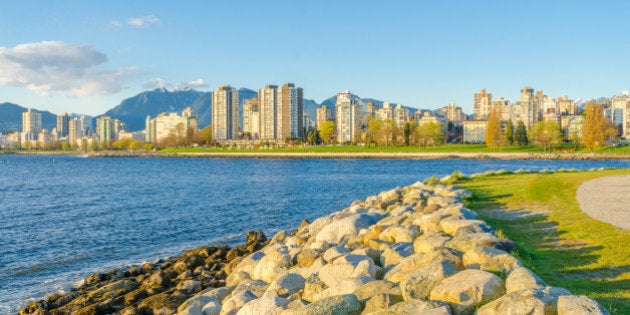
(157, 288)
(411, 250)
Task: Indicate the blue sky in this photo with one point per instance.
(87, 56)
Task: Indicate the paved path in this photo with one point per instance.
(607, 199)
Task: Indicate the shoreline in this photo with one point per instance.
(369, 155)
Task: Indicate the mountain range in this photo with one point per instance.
(133, 111)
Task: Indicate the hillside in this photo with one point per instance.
(11, 117)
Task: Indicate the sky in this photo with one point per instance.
(87, 56)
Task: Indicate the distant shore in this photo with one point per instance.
(370, 155)
(340, 155)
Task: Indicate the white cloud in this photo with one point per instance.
(159, 83)
(53, 67)
(143, 21)
(155, 83)
(115, 24)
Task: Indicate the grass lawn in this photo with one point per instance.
(560, 243)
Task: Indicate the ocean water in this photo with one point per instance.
(63, 218)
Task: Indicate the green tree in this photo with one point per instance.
(373, 129)
(203, 136)
(407, 132)
(509, 132)
(148, 147)
(593, 129)
(327, 130)
(135, 145)
(494, 135)
(84, 145)
(65, 146)
(429, 133)
(546, 134)
(312, 136)
(520, 134)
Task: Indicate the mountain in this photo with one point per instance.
(11, 118)
(133, 111)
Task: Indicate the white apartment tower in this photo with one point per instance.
(482, 105)
(251, 118)
(31, 122)
(349, 117)
(290, 111)
(225, 113)
(267, 106)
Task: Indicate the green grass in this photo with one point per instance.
(564, 246)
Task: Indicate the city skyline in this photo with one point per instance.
(86, 58)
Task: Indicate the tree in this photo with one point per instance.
(407, 132)
(494, 135)
(373, 128)
(327, 130)
(65, 146)
(135, 145)
(520, 134)
(593, 129)
(203, 136)
(546, 134)
(509, 132)
(430, 133)
(312, 136)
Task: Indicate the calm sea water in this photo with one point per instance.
(64, 218)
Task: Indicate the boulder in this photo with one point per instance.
(189, 287)
(466, 242)
(429, 222)
(350, 226)
(467, 289)
(285, 285)
(416, 261)
(313, 286)
(235, 301)
(419, 283)
(490, 259)
(397, 234)
(340, 304)
(395, 253)
(377, 287)
(420, 307)
(522, 278)
(399, 211)
(256, 287)
(199, 301)
(577, 305)
(335, 252)
(349, 266)
(345, 286)
(263, 306)
(211, 308)
(526, 301)
(499, 243)
(380, 302)
(275, 262)
(193, 310)
(429, 244)
(451, 226)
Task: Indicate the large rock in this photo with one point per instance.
(285, 285)
(335, 252)
(418, 285)
(414, 262)
(451, 226)
(349, 266)
(350, 226)
(490, 259)
(397, 234)
(526, 301)
(340, 304)
(235, 301)
(420, 307)
(275, 262)
(466, 289)
(377, 287)
(396, 253)
(578, 305)
(198, 301)
(522, 278)
(256, 287)
(345, 286)
(429, 244)
(466, 242)
(313, 286)
(263, 306)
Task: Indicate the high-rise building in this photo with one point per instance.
(267, 104)
(62, 125)
(620, 107)
(482, 104)
(170, 124)
(31, 122)
(566, 106)
(401, 115)
(251, 118)
(290, 111)
(105, 129)
(324, 114)
(349, 117)
(526, 110)
(225, 113)
(453, 114)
